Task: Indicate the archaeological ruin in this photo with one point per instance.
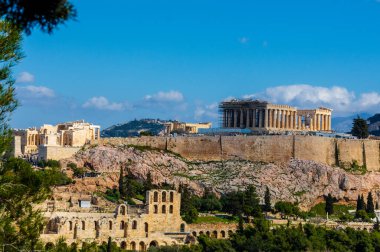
(267, 117)
(54, 141)
(134, 227)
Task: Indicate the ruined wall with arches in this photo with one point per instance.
(157, 223)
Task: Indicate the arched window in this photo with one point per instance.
(155, 197)
(96, 224)
(123, 245)
(163, 196)
(195, 234)
(110, 225)
(182, 228)
(70, 225)
(122, 210)
(208, 233)
(171, 209)
(142, 246)
(171, 196)
(146, 227)
(201, 233)
(155, 209)
(133, 246)
(83, 225)
(122, 225)
(164, 209)
(215, 234)
(223, 234)
(134, 224)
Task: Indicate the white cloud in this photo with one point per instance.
(34, 92)
(338, 98)
(171, 96)
(206, 112)
(102, 103)
(25, 77)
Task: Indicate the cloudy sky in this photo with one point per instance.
(169, 59)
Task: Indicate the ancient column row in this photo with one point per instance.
(282, 119)
(275, 119)
(33, 139)
(245, 118)
(322, 122)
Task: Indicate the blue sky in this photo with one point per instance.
(177, 59)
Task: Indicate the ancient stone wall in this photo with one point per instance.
(277, 149)
(56, 152)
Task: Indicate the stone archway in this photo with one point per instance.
(153, 244)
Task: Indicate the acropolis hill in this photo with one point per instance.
(268, 149)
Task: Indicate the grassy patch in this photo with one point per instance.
(300, 193)
(354, 167)
(319, 209)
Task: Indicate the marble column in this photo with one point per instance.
(235, 118)
(253, 118)
(315, 122)
(241, 118)
(283, 119)
(329, 122)
(294, 120)
(318, 122)
(300, 122)
(291, 120)
(247, 119)
(266, 118)
(260, 113)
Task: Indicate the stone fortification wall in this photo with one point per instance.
(56, 152)
(275, 149)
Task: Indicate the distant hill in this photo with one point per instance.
(344, 124)
(374, 125)
(133, 128)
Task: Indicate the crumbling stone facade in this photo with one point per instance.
(157, 223)
(66, 137)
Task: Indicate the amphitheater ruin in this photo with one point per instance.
(134, 227)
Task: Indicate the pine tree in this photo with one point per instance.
(359, 205)
(370, 206)
(329, 204)
(109, 245)
(148, 183)
(267, 201)
(360, 128)
(121, 182)
(364, 205)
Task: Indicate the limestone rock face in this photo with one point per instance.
(300, 181)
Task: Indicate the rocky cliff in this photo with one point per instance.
(296, 180)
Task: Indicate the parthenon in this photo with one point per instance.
(263, 116)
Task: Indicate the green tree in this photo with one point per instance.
(267, 201)
(370, 206)
(360, 128)
(251, 202)
(148, 183)
(188, 209)
(20, 188)
(10, 55)
(46, 15)
(329, 208)
(360, 204)
(122, 190)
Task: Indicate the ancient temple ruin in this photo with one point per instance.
(267, 117)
